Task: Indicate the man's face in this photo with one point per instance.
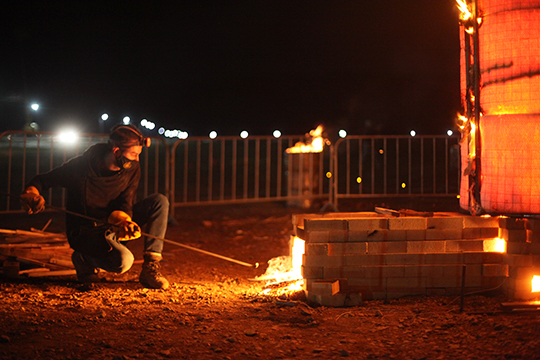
(132, 153)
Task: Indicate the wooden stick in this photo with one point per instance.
(52, 273)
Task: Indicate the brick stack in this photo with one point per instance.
(522, 255)
(350, 256)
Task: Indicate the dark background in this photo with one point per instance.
(384, 66)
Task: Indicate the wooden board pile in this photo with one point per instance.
(34, 253)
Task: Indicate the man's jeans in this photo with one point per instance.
(151, 214)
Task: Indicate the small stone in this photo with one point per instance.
(4, 339)
(344, 353)
(250, 332)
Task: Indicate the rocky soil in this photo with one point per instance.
(215, 310)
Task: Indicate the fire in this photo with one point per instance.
(536, 283)
(465, 13)
(314, 143)
(285, 269)
(495, 245)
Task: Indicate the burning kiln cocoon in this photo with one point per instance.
(353, 256)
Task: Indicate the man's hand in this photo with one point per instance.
(126, 229)
(31, 201)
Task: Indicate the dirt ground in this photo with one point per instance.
(214, 310)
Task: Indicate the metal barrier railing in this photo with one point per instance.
(391, 166)
(202, 171)
(25, 154)
(256, 169)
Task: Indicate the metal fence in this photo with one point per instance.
(256, 169)
(25, 154)
(391, 166)
(202, 171)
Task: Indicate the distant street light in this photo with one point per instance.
(34, 106)
(126, 120)
(104, 117)
(244, 134)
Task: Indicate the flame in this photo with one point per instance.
(465, 12)
(535, 283)
(284, 269)
(314, 143)
(495, 245)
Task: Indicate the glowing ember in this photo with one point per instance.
(314, 143)
(495, 245)
(536, 283)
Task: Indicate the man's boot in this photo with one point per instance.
(150, 275)
(86, 273)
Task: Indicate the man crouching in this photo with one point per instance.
(102, 184)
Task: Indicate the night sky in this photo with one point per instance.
(379, 66)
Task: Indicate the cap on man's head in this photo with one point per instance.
(124, 136)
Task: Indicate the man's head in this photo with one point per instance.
(126, 143)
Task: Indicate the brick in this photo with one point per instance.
(518, 260)
(423, 270)
(416, 234)
(405, 282)
(316, 249)
(325, 224)
(369, 224)
(480, 233)
(364, 260)
(533, 224)
(358, 235)
(511, 223)
(387, 247)
(494, 245)
(384, 271)
(312, 272)
(347, 248)
(323, 287)
(534, 248)
(425, 246)
(443, 282)
(373, 283)
(377, 235)
(521, 248)
(513, 235)
(483, 258)
(444, 223)
(300, 232)
(453, 234)
(396, 293)
(396, 235)
(533, 236)
(495, 270)
(523, 272)
(442, 259)
(404, 259)
(480, 221)
(435, 234)
(327, 236)
(536, 260)
(337, 300)
(322, 260)
(464, 245)
(345, 272)
(473, 280)
(407, 223)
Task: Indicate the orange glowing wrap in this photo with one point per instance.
(509, 43)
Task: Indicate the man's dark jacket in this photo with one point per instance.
(91, 191)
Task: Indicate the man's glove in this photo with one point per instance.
(127, 229)
(31, 201)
